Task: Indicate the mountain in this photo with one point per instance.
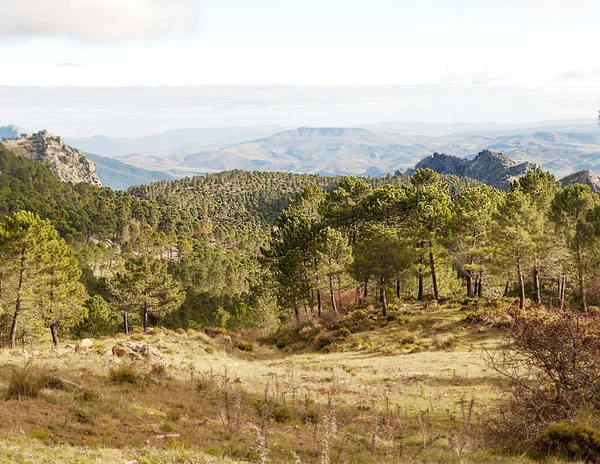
(196, 138)
(65, 162)
(120, 176)
(12, 132)
(326, 151)
(588, 178)
(495, 169)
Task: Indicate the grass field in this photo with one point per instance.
(415, 389)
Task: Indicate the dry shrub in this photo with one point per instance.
(25, 382)
(126, 373)
(551, 364)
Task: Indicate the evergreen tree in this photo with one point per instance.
(571, 211)
(23, 240)
(60, 295)
(144, 285)
(472, 226)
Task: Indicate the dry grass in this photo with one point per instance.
(403, 399)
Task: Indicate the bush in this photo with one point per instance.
(245, 346)
(126, 373)
(551, 363)
(568, 441)
(25, 382)
(52, 383)
(282, 414)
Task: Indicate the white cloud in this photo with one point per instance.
(470, 73)
(95, 20)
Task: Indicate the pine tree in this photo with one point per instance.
(144, 285)
(570, 211)
(472, 226)
(23, 240)
(59, 294)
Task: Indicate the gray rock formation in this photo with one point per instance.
(491, 168)
(67, 163)
(588, 178)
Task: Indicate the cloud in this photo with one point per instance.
(95, 20)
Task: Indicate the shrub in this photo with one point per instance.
(245, 346)
(24, 382)
(551, 364)
(282, 414)
(126, 373)
(568, 441)
(52, 383)
(158, 370)
(409, 338)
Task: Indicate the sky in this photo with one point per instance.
(87, 66)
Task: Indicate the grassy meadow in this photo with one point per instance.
(413, 387)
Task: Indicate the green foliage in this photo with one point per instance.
(144, 285)
(99, 321)
(569, 441)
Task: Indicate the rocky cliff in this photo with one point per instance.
(67, 163)
(583, 177)
(488, 167)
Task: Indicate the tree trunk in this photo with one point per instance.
(319, 301)
(420, 295)
(54, 334)
(537, 296)
(582, 291)
(366, 292)
(469, 284)
(436, 295)
(480, 287)
(397, 288)
(12, 340)
(476, 287)
(506, 289)
(145, 318)
(521, 285)
(125, 323)
(332, 295)
(383, 299)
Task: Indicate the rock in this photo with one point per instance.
(120, 350)
(84, 344)
(589, 178)
(491, 168)
(65, 162)
(137, 351)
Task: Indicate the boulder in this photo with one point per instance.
(84, 344)
(137, 351)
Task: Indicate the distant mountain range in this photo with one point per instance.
(563, 147)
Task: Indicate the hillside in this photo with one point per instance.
(491, 168)
(67, 163)
(207, 401)
(121, 176)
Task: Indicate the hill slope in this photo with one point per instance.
(120, 176)
(491, 168)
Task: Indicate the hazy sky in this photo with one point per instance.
(545, 51)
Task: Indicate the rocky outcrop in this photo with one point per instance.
(588, 178)
(67, 163)
(491, 168)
